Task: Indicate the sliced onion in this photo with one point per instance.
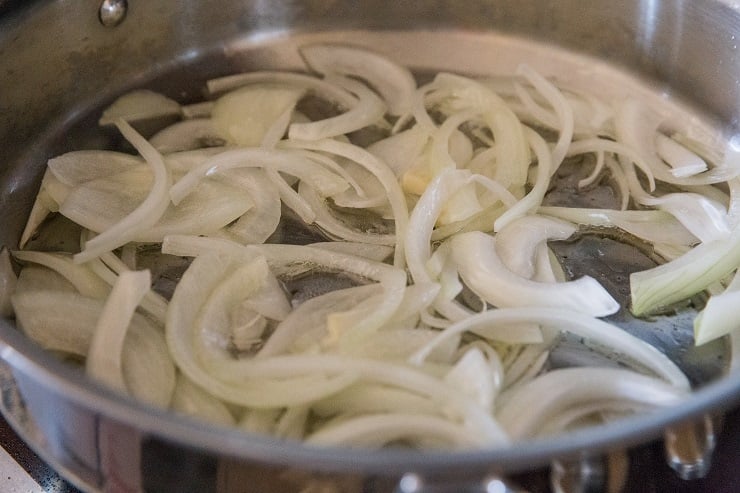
(100, 204)
(139, 105)
(322, 88)
(375, 371)
(384, 175)
(146, 214)
(654, 226)
(530, 406)
(679, 279)
(368, 111)
(606, 336)
(533, 199)
(335, 227)
(65, 321)
(482, 270)
(400, 150)
(683, 162)
(104, 358)
(305, 326)
(244, 116)
(80, 276)
(518, 242)
(374, 431)
(109, 266)
(720, 315)
(369, 251)
(394, 82)
(191, 400)
(187, 135)
(637, 127)
(78, 167)
(279, 160)
(562, 109)
(198, 282)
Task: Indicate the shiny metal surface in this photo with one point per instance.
(112, 12)
(689, 447)
(54, 75)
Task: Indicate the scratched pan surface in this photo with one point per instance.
(55, 77)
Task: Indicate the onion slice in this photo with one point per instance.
(394, 82)
(104, 356)
(146, 214)
(478, 262)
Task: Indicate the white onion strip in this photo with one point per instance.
(368, 111)
(277, 160)
(532, 404)
(482, 270)
(146, 214)
(103, 361)
(384, 175)
(599, 332)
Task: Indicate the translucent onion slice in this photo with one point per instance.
(368, 111)
(109, 266)
(199, 281)
(637, 127)
(245, 115)
(306, 326)
(533, 199)
(146, 214)
(471, 374)
(140, 105)
(530, 406)
(385, 176)
(682, 161)
(394, 82)
(562, 109)
(326, 220)
(286, 161)
(397, 344)
(369, 251)
(374, 431)
(187, 135)
(295, 260)
(400, 150)
(321, 88)
(480, 266)
(191, 400)
(43, 205)
(703, 217)
(679, 279)
(420, 228)
(600, 334)
(720, 315)
(85, 281)
(458, 405)
(78, 167)
(211, 330)
(597, 145)
(655, 226)
(37, 278)
(104, 357)
(100, 204)
(512, 152)
(371, 398)
(517, 244)
(65, 321)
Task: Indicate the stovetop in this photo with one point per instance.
(22, 471)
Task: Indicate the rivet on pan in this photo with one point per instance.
(112, 12)
(689, 448)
